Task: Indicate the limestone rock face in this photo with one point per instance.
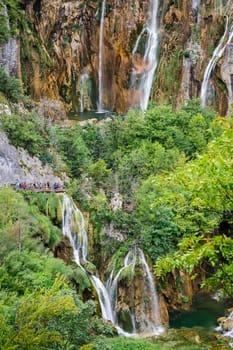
(227, 72)
(10, 51)
(10, 57)
(16, 165)
(69, 33)
(178, 291)
(67, 42)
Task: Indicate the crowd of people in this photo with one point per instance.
(39, 186)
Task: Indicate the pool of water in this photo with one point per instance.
(89, 115)
(204, 313)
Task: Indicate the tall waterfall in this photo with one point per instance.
(101, 39)
(142, 79)
(217, 54)
(73, 227)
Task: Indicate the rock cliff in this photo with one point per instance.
(72, 49)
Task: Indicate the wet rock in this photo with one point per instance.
(226, 323)
(227, 73)
(64, 250)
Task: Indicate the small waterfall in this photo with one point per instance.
(142, 77)
(83, 86)
(227, 329)
(195, 4)
(73, 227)
(129, 261)
(101, 39)
(151, 324)
(106, 307)
(217, 54)
(155, 322)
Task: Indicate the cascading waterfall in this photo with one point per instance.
(143, 80)
(112, 283)
(101, 39)
(152, 324)
(226, 331)
(73, 227)
(155, 320)
(217, 54)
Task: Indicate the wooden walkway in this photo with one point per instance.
(43, 189)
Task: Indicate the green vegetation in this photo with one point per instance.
(10, 86)
(131, 344)
(39, 308)
(174, 171)
(4, 25)
(10, 16)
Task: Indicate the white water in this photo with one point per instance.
(155, 322)
(106, 307)
(112, 283)
(228, 333)
(217, 54)
(73, 227)
(149, 61)
(101, 39)
(83, 81)
(135, 257)
(195, 4)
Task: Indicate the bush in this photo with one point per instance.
(10, 86)
(24, 131)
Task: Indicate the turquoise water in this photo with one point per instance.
(204, 313)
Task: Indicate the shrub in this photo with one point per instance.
(10, 86)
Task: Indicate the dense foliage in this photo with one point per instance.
(39, 308)
(10, 86)
(173, 171)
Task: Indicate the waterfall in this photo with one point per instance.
(73, 227)
(151, 324)
(101, 39)
(106, 307)
(195, 4)
(226, 331)
(142, 78)
(155, 322)
(129, 261)
(83, 80)
(217, 54)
